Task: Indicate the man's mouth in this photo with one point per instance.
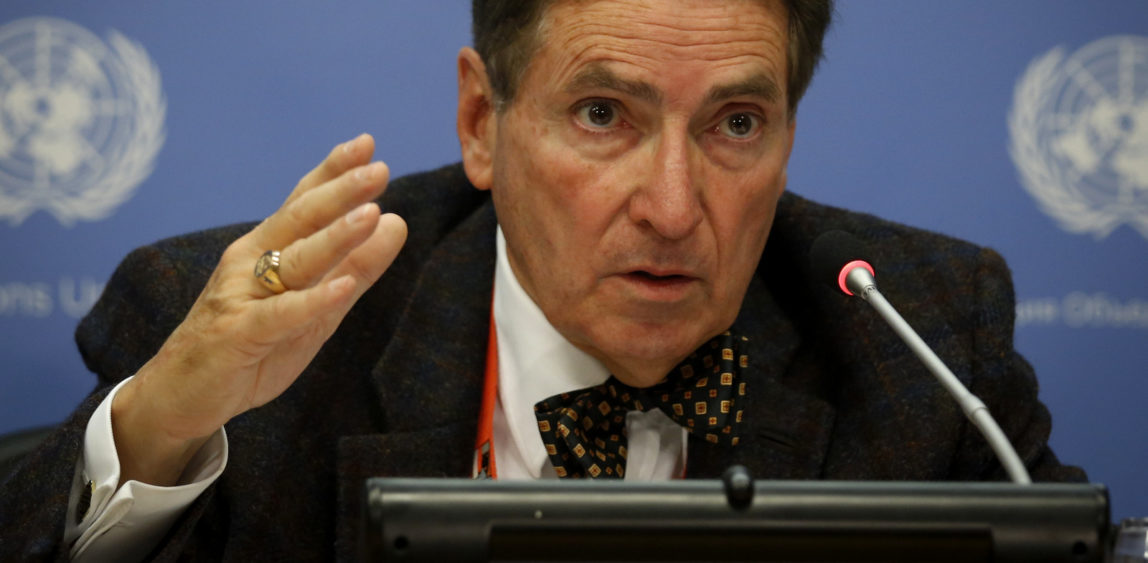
(655, 278)
(659, 286)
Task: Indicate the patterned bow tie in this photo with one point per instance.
(585, 431)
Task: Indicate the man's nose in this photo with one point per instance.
(668, 197)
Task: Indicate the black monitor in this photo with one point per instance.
(463, 520)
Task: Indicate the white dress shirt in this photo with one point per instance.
(535, 362)
(124, 523)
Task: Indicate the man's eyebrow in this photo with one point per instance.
(596, 76)
(757, 86)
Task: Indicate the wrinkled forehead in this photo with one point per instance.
(656, 36)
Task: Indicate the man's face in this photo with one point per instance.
(637, 172)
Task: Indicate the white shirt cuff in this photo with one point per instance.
(125, 523)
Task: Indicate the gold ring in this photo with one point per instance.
(267, 271)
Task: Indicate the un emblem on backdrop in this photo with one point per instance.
(81, 120)
(1079, 134)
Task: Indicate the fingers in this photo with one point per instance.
(295, 312)
(304, 262)
(370, 259)
(313, 210)
(328, 301)
(342, 158)
(328, 230)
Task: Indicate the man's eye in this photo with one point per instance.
(597, 115)
(739, 125)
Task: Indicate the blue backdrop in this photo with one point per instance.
(961, 118)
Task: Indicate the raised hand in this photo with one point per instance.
(244, 342)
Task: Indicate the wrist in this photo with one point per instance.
(148, 450)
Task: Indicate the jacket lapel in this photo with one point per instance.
(786, 428)
(429, 377)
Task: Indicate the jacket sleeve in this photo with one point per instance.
(146, 298)
(34, 496)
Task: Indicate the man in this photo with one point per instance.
(629, 159)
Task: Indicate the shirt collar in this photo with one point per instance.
(534, 360)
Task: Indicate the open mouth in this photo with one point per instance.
(660, 282)
(662, 287)
(649, 277)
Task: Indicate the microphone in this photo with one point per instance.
(841, 260)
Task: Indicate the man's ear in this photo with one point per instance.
(477, 127)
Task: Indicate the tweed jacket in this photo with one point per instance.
(833, 393)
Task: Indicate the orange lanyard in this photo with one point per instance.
(484, 467)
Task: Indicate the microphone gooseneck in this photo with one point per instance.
(839, 259)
